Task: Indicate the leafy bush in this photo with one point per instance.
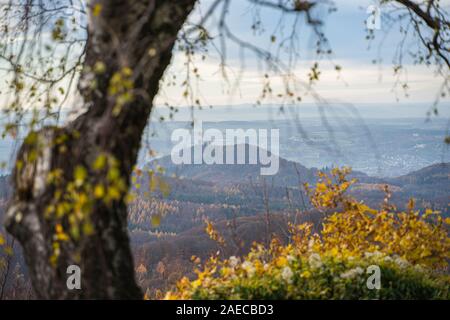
(279, 273)
(410, 249)
(354, 228)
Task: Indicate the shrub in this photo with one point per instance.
(280, 273)
(410, 249)
(354, 228)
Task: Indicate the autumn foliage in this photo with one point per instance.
(411, 248)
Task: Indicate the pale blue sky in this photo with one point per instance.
(360, 81)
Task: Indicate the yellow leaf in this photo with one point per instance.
(156, 220)
(164, 187)
(305, 274)
(100, 162)
(99, 191)
(153, 183)
(9, 250)
(62, 237)
(59, 228)
(99, 67)
(88, 228)
(113, 174)
(281, 262)
(80, 175)
(97, 10)
(113, 193)
(127, 72)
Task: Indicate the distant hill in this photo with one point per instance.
(429, 186)
(436, 176)
(290, 173)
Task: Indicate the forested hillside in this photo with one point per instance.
(167, 227)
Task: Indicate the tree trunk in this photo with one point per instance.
(130, 41)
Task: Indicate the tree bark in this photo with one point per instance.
(131, 34)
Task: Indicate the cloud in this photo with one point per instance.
(358, 82)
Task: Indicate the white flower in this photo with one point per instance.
(248, 267)
(206, 281)
(311, 243)
(402, 263)
(388, 259)
(375, 254)
(233, 261)
(290, 258)
(359, 270)
(419, 268)
(287, 274)
(352, 273)
(315, 261)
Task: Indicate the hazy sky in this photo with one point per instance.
(360, 81)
